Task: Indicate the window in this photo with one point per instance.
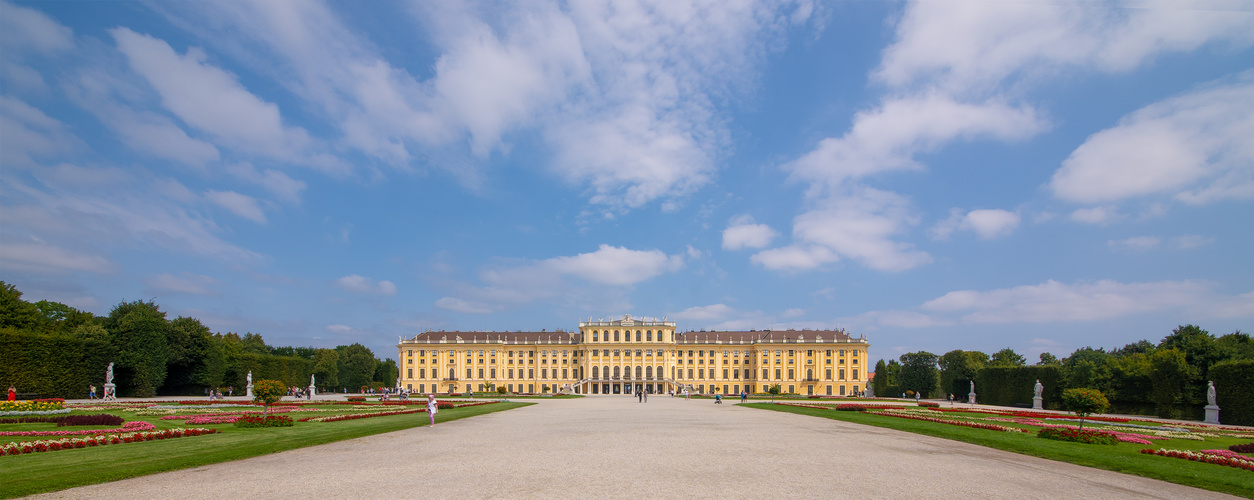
(855, 361)
(468, 374)
(829, 377)
(809, 352)
(564, 373)
(829, 353)
(639, 373)
(842, 352)
(410, 373)
(637, 352)
(493, 372)
(724, 374)
(596, 372)
(649, 335)
(777, 377)
(637, 335)
(841, 372)
(616, 352)
(595, 337)
(855, 374)
(481, 373)
(544, 373)
(615, 335)
(511, 372)
(690, 373)
(765, 374)
(531, 373)
(790, 375)
(422, 373)
(649, 352)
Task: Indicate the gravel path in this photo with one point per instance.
(614, 447)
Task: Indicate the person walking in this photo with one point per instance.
(639, 397)
(91, 392)
(646, 396)
(744, 395)
(431, 408)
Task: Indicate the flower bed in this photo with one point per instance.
(102, 440)
(337, 418)
(133, 426)
(32, 405)
(1240, 463)
(68, 420)
(249, 421)
(1077, 436)
(929, 404)
(975, 425)
(1242, 448)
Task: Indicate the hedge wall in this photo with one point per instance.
(1234, 385)
(290, 370)
(1008, 385)
(52, 366)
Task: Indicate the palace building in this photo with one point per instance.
(626, 355)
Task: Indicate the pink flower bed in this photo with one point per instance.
(135, 426)
(1203, 456)
(226, 417)
(384, 413)
(101, 440)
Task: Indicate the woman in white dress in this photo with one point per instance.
(431, 409)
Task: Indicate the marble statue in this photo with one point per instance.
(1210, 393)
(311, 380)
(972, 387)
(109, 374)
(1038, 389)
(250, 378)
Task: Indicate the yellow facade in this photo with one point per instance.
(622, 356)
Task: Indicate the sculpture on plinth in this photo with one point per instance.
(1036, 395)
(110, 389)
(1212, 407)
(248, 390)
(971, 396)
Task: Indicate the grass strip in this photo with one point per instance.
(1123, 457)
(28, 474)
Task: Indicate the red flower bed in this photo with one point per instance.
(1077, 436)
(1035, 414)
(103, 419)
(1202, 457)
(929, 404)
(102, 440)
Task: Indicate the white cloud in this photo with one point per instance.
(1195, 147)
(960, 46)
(337, 328)
(743, 233)
(185, 282)
(603, 275)
(987, 223)
(24, 28)
(274, 181)
(1096, 215)
(887, 138)
(1191, 241)
(210, 99)
(895, 319)
(858, 225)
(705, 313)
(1054, 302)
(42, 258)
(1135, 243)
(27, 133)
(362, 284)
(242, 205)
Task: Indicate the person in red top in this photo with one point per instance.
(12, 394)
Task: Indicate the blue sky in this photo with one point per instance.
(935, 175)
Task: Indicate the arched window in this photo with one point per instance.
(648, 335)
(648, 372)
(616, 372)
(639, 372)
(452, 373)
(596, 373)
(660, 373)
(595, 337)
(615, 335)
(637, 335)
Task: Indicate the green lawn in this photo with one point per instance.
(32, 473)
(1123, 457)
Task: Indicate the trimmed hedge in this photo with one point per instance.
(52, 365)
(1234, 383)
(1008, 385)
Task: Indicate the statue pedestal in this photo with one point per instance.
(313, 390)
(110, 392)
(1212, 414)
(1036, 403)
(971, 398)
(248, 391)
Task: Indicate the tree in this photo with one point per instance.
(892, 374)
(958, 369)
(1048, 359)
(18, 313)
(1087, 367)
(326, 367)
(253, 343)
(356, 365)
(1008, 357)
(919, 373)
(139, 332)
(1200, 351)
(268, 392)
(774, 390)
(1084, 402)
(1170, 374)
(386, 373)
(879, 384)
(62, 318)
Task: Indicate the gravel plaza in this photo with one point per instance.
(615, 447)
